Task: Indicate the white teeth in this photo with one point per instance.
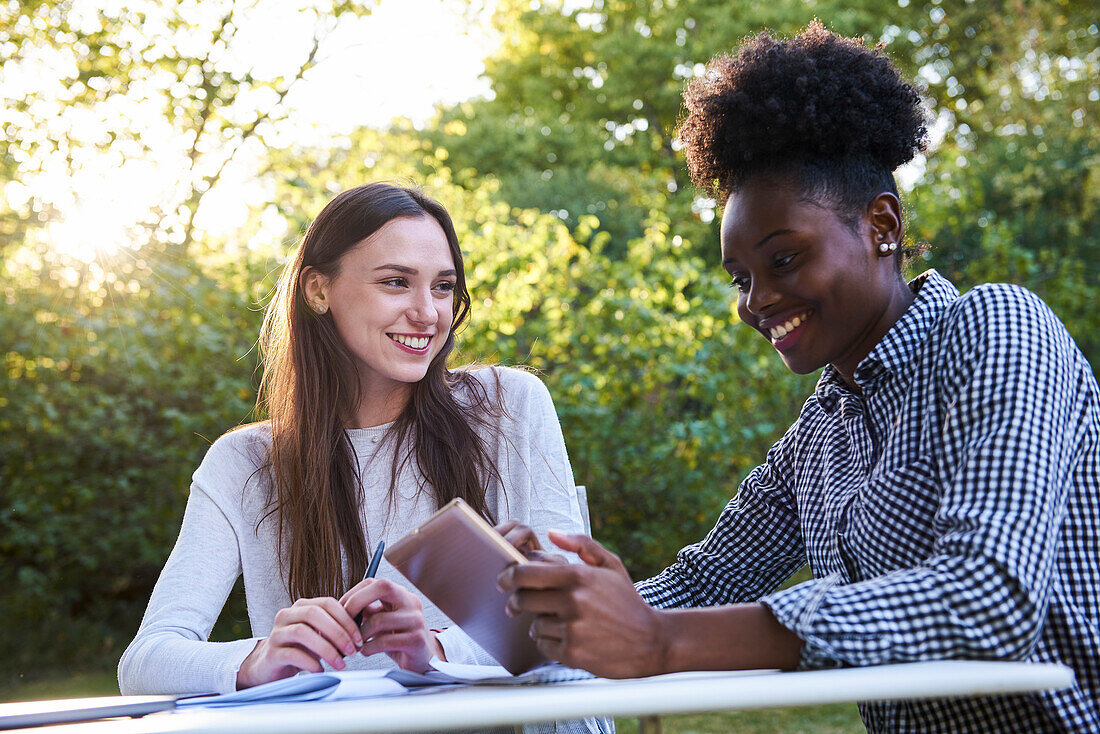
(778, 332)
(414, 342)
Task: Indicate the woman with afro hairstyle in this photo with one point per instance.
(942, 482)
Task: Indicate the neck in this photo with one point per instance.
(899, 301)
(380, 406)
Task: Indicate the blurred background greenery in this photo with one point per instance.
(126, 351)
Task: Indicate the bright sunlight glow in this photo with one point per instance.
(400, 61)
(100, 205)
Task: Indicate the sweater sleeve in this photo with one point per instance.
(539, 484)
(553, 502)
(171, 654)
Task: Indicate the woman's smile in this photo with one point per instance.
(412, 343)
(785, 331)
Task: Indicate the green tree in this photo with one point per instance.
(120, 363)
(1011, 192)
(586, 96)
(111, 89)
(585, 102)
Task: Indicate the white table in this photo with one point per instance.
(479, 707)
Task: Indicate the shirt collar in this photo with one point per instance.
(895, 350)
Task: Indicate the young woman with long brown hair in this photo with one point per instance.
(367, 433)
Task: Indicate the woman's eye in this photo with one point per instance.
(395, 282)
(446, 286)
(782, 262)
(740, 283)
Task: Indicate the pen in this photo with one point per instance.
(372, 568)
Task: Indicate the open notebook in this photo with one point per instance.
(351, 684)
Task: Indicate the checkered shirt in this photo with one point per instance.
(950, 511)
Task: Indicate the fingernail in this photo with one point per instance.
(349, 648)
(339, 664)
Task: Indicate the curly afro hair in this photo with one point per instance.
(824, 112)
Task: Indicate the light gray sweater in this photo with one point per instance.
(223, 536)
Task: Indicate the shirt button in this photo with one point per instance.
(374, 439)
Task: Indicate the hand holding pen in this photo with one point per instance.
(391, 620)
(305, 634)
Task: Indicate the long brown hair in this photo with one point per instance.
(310, 390)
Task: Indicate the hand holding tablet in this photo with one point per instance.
(454, 558)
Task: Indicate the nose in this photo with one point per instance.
(421, 309)
(761, 295)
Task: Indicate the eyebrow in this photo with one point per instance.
(758, 245)
(411, 271)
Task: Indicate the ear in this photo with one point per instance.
(885, 223)
(315, 288)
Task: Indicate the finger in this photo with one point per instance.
(331, 621)
(349, 632)
(379, 590)
(548, 628)
(397, 642)
(505, 526)
(318, 614)
(304, 637)
(546, 557)
(555, 602)
(295, 657)
(552, 649)
(590, 551)
(536, 576)
(523, 539)
(358, 587)
(388, 622)
(365, 584)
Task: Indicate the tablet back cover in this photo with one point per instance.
(454, 558)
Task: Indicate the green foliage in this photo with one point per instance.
(127, 86)
(1011, 193)
(588, 257)
(113, 384)
(586, 98)
(117, 373)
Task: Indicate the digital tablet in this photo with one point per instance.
(454, 559)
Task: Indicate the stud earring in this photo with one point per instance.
(887, 248)
(320, 308)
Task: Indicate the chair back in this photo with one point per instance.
(582, 500)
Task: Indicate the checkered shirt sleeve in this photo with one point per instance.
(759, 528)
